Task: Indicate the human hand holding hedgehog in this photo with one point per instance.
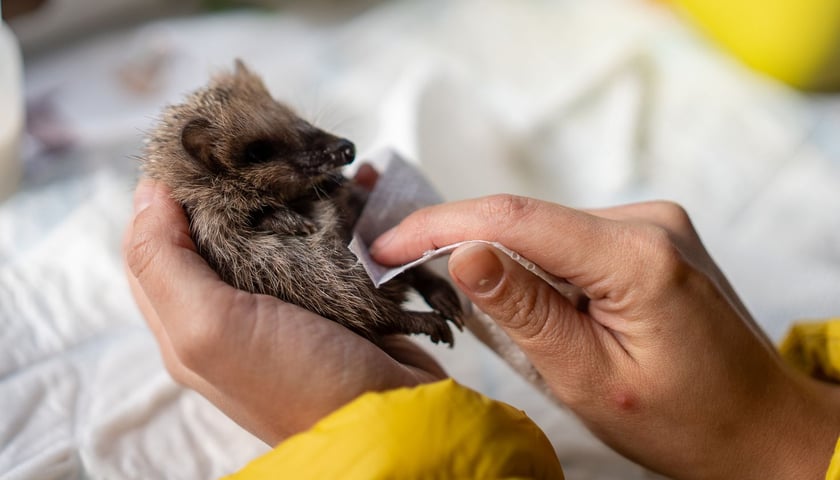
(271, 366)
(248, 201)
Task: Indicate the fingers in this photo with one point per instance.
(674, 219)
(406, 352)
(162, 258)
(366, 176)
(562, 343)
(668, 215)
(568, 243)
(173, 365)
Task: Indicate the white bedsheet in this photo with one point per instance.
(586, 103)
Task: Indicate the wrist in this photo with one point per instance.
(798, 440)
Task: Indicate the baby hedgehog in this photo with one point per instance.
(271, 212)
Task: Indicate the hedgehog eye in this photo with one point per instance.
(259, 151)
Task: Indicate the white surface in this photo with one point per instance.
(587, 103)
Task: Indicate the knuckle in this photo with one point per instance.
(674, 216)
(527, 312)
(202, 343)
(140, 252)
(195, 347)
(663, 259)
(419, 221)
(504, 207)
(176, 371)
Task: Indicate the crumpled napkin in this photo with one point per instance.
(402, 189)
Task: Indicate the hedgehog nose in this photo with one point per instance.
(344, 150)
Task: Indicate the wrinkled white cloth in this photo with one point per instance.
(585, 103)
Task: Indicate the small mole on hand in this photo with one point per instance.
(625, 401)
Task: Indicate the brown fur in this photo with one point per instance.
(270, 211)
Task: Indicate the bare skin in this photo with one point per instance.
(664, 364)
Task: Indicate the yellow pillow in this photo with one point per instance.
(796, 41)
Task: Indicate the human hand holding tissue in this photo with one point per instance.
(663, 363)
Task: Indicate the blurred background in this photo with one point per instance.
(724, 106)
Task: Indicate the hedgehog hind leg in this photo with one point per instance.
(428, 323)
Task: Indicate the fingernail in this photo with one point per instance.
(383, 241)
(144, 194)
(477, 268)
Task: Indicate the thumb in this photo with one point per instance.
(558, 339)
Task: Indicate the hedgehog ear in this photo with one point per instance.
(240, 68)
(246, 77)
(197, 140)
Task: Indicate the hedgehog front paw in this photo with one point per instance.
(447, 303)
(439, 294)
(430, 323)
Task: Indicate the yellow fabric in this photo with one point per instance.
(833, 472)
(814, 349)
(796, 41)
(439, 430)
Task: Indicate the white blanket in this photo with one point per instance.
(586, 103)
